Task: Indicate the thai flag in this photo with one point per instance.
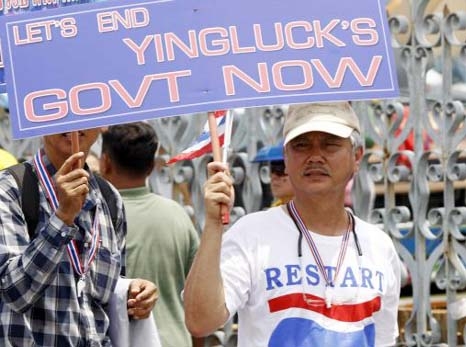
(342, 325)
(203, 144)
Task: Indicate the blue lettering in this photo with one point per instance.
(380, 276)
(349, 276)
(291, 275)
(366, 275)
(272, 275)
(312, 275)
(292, 272)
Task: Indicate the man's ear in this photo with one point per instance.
(357, 158)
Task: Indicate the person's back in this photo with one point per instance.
(161, 240)
(161, 244)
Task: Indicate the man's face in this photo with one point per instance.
(320, 163)
(58, 146)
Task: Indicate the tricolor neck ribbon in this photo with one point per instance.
(81, 268)
(329, 282)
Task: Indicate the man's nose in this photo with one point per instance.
(316, 152)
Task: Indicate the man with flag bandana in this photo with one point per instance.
(55, 287)
(307, 273)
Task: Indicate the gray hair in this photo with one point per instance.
(356, 140)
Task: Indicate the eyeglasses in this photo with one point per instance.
(278, 168)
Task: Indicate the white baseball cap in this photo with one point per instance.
(337, 118)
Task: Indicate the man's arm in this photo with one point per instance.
(204, 297)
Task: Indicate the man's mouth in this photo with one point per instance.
(316, 172)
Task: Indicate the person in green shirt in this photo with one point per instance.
(162, 240)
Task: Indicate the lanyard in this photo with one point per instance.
(303, 231)
(81, 268)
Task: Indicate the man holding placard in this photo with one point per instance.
(56, 281)
(306, 273)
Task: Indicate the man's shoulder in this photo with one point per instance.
(259, 222)
(158, 203)
(261, 216)
(367, 228)
(373, 233)
(15, 177)
(166, 202)
(6, 177)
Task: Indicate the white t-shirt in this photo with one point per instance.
(263, 280)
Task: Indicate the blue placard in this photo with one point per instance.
(112, 62)
(13, 7)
